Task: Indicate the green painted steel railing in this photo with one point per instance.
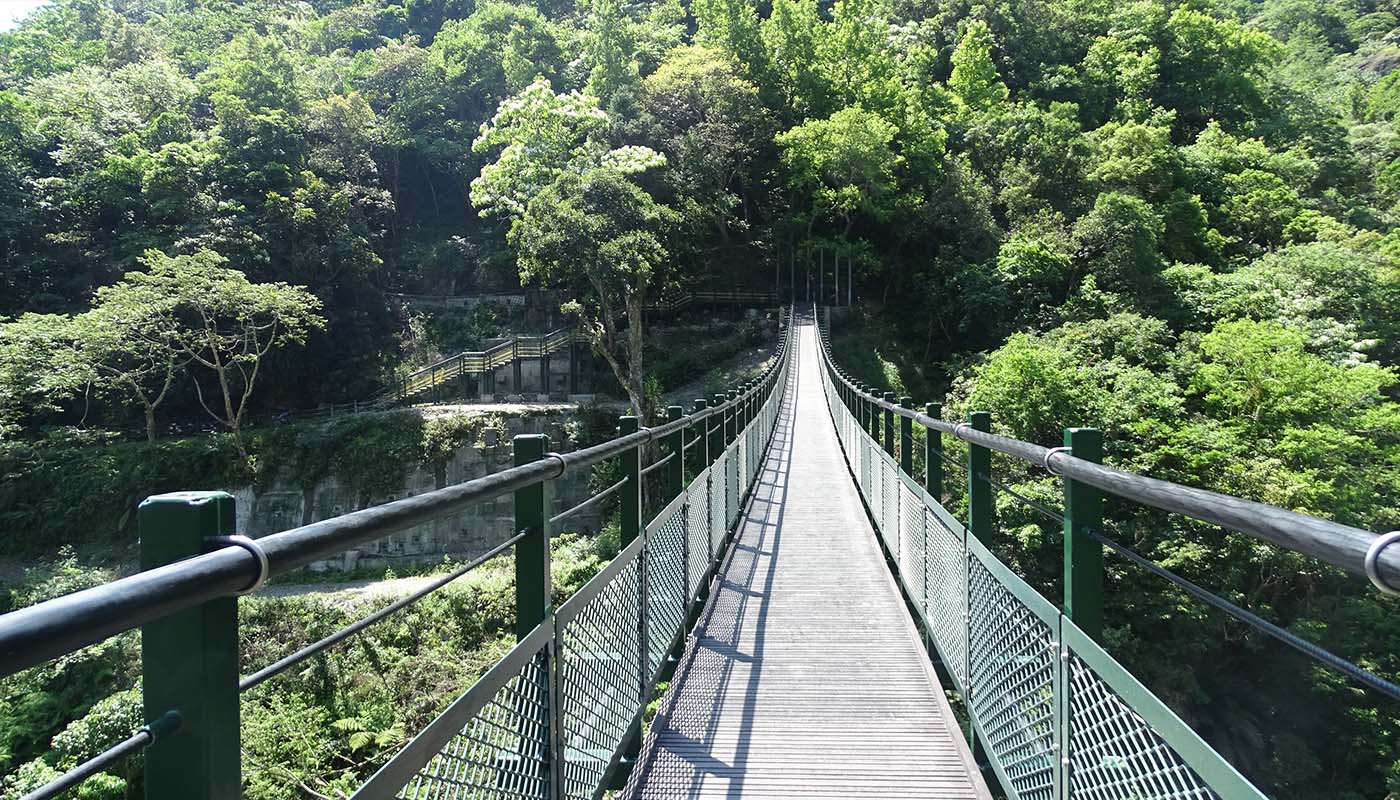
(1055, 714)
(559, 713)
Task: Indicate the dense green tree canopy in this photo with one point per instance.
(1175, 221)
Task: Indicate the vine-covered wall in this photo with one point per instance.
(83, 490)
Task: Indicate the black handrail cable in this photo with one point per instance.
(167, 724)
(563, 515)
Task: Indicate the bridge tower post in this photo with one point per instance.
(980, 497)
(1083, 556)
(190, 659)
(933, 453)
(906, 438)
(532, 590)
(889, 424)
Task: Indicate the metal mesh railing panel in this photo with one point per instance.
(946, 593)
(731, 485)
(600, 681)
(863, 451)
(698, 529)
(718, 512)
(911, 542)
(500, 754)
(889, 505)
(1115, 754)
(743, 462)
(665, 577)
(1012, 665)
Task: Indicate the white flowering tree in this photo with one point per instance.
(578, 221)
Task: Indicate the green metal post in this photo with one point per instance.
(717, 433)
(906, 438)
(889, 425)
(980, 498)
(630, 524)
(701, 441)
(867, 415)
(732, 430)
(190, 658)
(532, 585)
(1083, 555)
(630, 496)
(933, 453)
(858, 407)
(675, 469)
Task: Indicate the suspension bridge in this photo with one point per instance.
(804, 598)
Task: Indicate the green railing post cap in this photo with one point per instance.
(185, 498)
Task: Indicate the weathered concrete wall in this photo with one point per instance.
(464, 535)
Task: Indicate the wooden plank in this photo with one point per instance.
(805, 677)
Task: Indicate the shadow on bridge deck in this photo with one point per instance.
(805, 676)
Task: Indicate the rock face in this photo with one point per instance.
(283, 505)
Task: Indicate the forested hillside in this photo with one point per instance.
(1172, 220)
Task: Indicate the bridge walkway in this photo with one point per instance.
(805, 676)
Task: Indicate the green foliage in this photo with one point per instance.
(84, 490)
(1175, 221)
(324, 726)
(847, 162)
(974, 79)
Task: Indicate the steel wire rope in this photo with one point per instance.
(167, 724)
(287, 662)
(1040, 508)
(1326, 657)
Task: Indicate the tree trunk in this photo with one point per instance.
(151, 424)
(636, 389)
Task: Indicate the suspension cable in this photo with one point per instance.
(283, 664)
(167, 724)
(1040, 508)
(1307, 648)
(563, 515)
(1051, 515)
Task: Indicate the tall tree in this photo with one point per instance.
(123, 341)
(847, 163)
(602, 236)
(215, 318)
(975, 80)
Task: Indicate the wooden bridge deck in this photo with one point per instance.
(805, 676)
